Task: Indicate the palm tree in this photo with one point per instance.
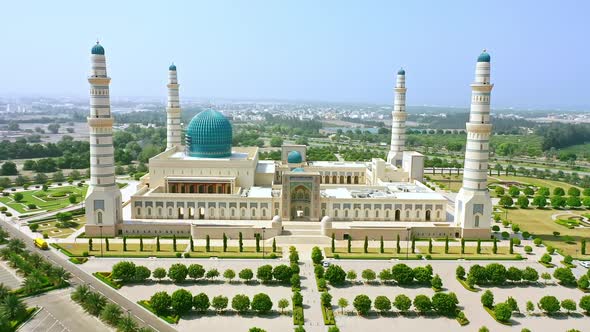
(32, 284)
(3, 291)
(127, 324)
(59, 275)
(80, 293)
(36, 260)
(16, 245)
(94, 303)
(12, 307)
(111, 313)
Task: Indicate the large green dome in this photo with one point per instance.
(294, 157)
(209, 135)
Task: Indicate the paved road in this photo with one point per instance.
(142, 316)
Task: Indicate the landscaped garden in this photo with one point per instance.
(51, 199)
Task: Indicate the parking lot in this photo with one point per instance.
(42, 322)
(8, 277)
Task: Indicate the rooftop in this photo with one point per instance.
(393, 190)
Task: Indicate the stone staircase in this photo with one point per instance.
(302, 233)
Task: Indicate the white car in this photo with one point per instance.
(585, 264)
(326, 264)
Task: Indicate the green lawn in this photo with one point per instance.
(540, 223)
(53, 231)
(529, 181)
(149, 249)
(438, 252)
(54, 198)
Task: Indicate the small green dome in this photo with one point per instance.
(97, 49)
(172, 67)
(209, 135)
(483, 57)
(401, 71)
(294, 157)
(298, 170)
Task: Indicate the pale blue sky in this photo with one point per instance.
(310, 50)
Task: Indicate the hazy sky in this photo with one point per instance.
(345, 51)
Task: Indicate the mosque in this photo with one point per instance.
(203, 186)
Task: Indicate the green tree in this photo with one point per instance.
(241, 243)
(513, 191)
(283, 304)
(487, 299)
(12, 307)
(569, 305)
(397, 245)
(585, 303)
(436, 282)
(444, 304)
(522, 202)
(8, 168)
(219, 302)
(342, 303)
(246, 275)
(335, 275)
(366, 245)
(546, 258)
(229, 274)
(511, 302)
(503, 312)
(182, 301)
(264, 273)
(549, 304)
(401, 302)
(506, 201)
(195, 271)
(402, 274)
(276, 141)
(460, 272)
(127, 324)
(565, 276)
(362, 304)
(540, 201)
(382, 303)
(316, 255)
(422, 303)
(261, 303)
(94, 303)
(159, 273)
(224, 243)
(558, 191)
(177, 272)
(160, 302)
(201, 302)
(142, 273)
(211, 274)
(369, 275)
(240, 303)
(530, 274)
(111, 313)
(123, 271)
(333, 244)
(558, 202)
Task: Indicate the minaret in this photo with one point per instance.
(398, 121)
(103, 200)
(173, 127)
(473, 206)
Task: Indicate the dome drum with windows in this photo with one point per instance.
(209, 135)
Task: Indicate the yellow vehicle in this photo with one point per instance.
(41, 244)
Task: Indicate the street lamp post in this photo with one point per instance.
(101, 239)
(407, 241)
(263, 228)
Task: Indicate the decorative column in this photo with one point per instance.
(103, 200)
(398, 121)
(173, 127)
(473, 206)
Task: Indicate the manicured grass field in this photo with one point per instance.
(52, 231)
(54, 198)
(539, 223)
(449, 182)
(551, 184)
(438, 252)
(149, 250)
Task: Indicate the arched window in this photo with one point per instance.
(417, 214)
(138, 211)
(99, 217)
(407, 214)
(376, 213)
(170, 212)
(253, 213)
(159, 212)
(476, 224)
(397, 215)
(427, 215)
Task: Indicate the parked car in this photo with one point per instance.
(585, 264)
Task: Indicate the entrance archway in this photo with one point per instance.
(300, 203)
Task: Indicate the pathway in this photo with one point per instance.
(312, 310)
